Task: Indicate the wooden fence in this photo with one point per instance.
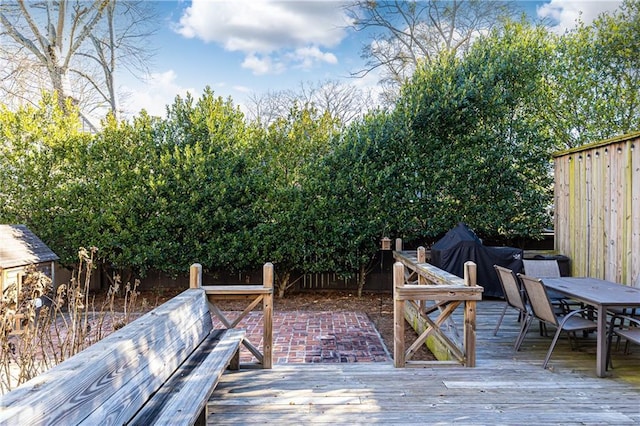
(597, 209)
(426, 297)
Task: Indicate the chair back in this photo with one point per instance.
(538, 299)
(510, 287)
(541, 268)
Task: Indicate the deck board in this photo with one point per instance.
(504, 388)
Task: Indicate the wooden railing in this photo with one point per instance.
(253, 294)
(426, 297)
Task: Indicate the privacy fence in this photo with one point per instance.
(597, 209)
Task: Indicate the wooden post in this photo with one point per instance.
(398, 316)
(398, 244)
(470, 279)
(267, 310)
(422, 258)
(195, 276)
(53, 274)
(470, 274)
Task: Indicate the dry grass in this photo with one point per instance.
(41, 326)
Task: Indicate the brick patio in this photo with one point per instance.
(316, 337)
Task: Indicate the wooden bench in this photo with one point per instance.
(159, 369)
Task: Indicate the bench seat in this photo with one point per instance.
(112, 380)
(182, 399)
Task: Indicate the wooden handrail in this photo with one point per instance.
(252, 293)
(414, 283)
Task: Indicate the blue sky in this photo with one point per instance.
(245, 47)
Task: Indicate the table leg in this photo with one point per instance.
(601, 348)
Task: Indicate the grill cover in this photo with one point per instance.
(461, 244)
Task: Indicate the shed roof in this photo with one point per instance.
(19, 247)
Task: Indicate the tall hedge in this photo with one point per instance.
(468, 140)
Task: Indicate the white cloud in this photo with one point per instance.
(564, 13)
(268, 31)
(260, 65)
(305, 57)
(158, 91)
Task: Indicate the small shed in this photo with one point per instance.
(597, 209)
(19, 248)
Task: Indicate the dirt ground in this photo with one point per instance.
(377, 306)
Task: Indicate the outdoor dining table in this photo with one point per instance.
(601, 295)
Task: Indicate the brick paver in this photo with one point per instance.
(315, 337)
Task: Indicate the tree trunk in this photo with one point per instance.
(283, 283)
(362, 279)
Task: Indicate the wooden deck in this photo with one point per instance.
(504, 388)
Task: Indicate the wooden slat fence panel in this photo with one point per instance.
(597, 209)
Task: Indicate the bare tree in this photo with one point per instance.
(405, 33)
(265, 108)
(20, 76)
(343, 101)
(123, 40)
(71, 47)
